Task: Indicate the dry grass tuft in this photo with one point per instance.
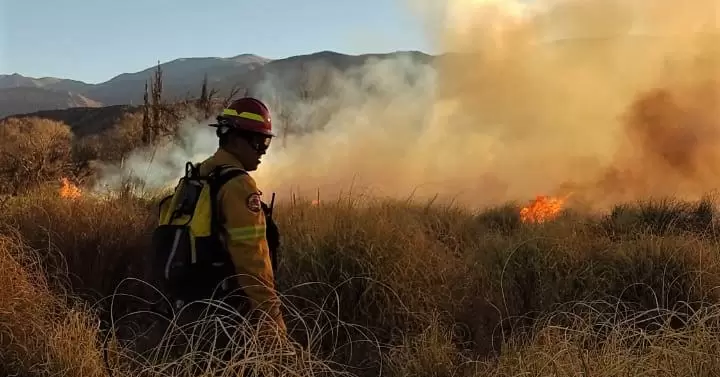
(373, 287)
(40, 333)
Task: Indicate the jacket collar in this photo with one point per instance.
(223, 157)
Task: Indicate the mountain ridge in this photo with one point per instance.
(182, 78)
(218, 58)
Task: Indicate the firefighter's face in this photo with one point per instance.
(249, 149)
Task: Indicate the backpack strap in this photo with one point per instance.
(219, 176)
(223, 173)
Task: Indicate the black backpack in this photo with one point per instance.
(190, 261)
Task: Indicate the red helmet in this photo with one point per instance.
(247, 114)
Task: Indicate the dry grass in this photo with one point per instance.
(376, 287)
(40, 333)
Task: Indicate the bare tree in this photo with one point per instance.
(205, 102)
(146, 124)
(234, 91)
(163, 117)
(313, 83)
(152, 101)
(157, 87)
(282, 116)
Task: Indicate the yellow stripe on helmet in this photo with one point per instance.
(244, 114)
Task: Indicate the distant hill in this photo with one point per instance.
(182, 78)
(29, 99)
(19, 81)
(84, 121)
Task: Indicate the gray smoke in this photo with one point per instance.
(365, 119)
(539, 98)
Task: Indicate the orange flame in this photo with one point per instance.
(543, 208)
(69, 190)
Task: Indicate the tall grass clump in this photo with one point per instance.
(386, 287)
(42, 333)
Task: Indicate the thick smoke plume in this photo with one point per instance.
(606, 100)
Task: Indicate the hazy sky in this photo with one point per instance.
(94, 40)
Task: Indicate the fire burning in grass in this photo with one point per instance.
(69, 190)
(542, 209)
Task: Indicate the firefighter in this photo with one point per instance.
(244, 130)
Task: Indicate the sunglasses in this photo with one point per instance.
(259, 143)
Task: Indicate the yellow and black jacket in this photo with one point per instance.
(223, 236)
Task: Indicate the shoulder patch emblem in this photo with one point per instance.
(253, 202)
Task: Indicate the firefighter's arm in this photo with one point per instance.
(246, 242)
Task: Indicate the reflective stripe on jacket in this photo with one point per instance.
(243, 222)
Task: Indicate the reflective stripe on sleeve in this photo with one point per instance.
(248, 233)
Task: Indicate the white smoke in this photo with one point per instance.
(371, 115)
(156, 168)
(537, 102)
